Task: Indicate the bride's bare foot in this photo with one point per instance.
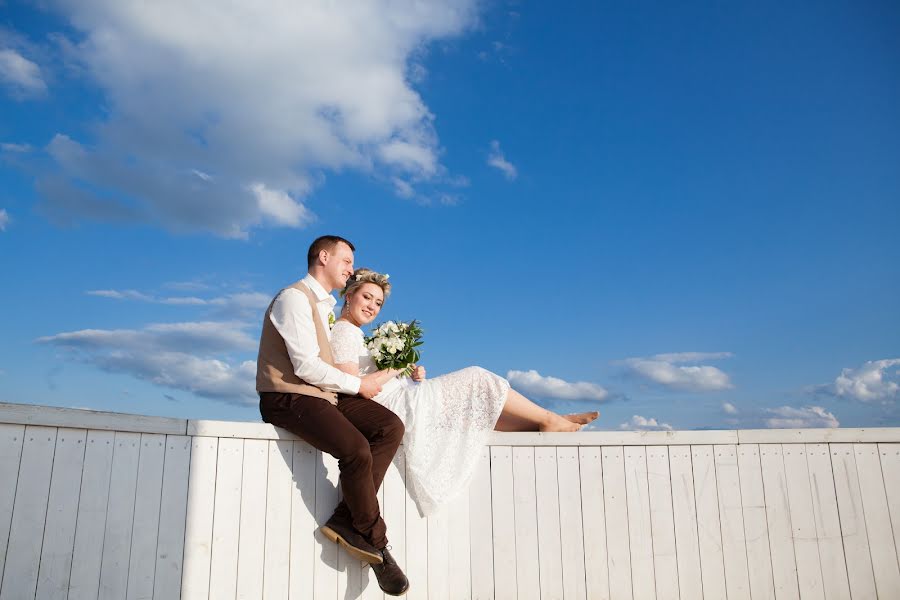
(558, 423)
(582, 418)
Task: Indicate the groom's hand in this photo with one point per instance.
(369, 386)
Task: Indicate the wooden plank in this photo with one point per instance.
(612, 438)
(251, 546)
(325, 573)
(29, 514)
(828, 524)
(62, 511)
(439, 556)
(818, 436)
(239, 429)
(54, 416)
(662, 522)
(172, 514)
(640, 537)
(861, 577)
(878, 521)
(778, 517)
(481, 526)
(806, 546)
(549, 533)
(394, 515)
(594, 518)
(368, 581)
(504, 523)
(756, 531)
(276, 570)
(303, 521)
(709, 533)
(10, 456)
(460, 583)
(616, 505)
(90, 525)
(417, 548)
(572, 527)
(120, 516)
(684, 512)
(147, 501)
(198, 535)
(890, 469)
(226, 521)
(525, 501)
(734, 550)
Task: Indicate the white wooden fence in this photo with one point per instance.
(102, 505)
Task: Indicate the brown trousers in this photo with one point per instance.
(360, 433)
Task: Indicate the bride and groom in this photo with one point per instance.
(316, 379)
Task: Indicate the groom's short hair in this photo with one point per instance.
(325, 242)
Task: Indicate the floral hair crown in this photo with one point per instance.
(367, 276)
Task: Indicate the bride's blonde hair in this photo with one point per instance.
(364, 275)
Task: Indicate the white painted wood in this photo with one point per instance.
(198, 533)
(416, 550)
(612, 438)
(549, 534)
(806, 547)
(172, 514)
(142, 565)
(639, 532)
(684, 512)
(828, 525)
(571, 525)
(53, 416)
(878, 522)
(734, 550)
(439, 556)
(594, 519)
(860, 576)
(818, 436)
(368, 581)
(276, 572)
(239, 429)
(480, 528)
(226, 520)
(325, 580)
(90, 525)
(759, 559)
(778, 518)
(460, 582)
(709, 533)
(29, 514)
(251, 546)
(662, 522)
(394, 515)
(120, 516)
(303, 523)
(62, 511)
(10, 456)
(525, 501)
(616, 505)
(890, 470)
(504, 523)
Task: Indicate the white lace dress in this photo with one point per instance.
(447, 419)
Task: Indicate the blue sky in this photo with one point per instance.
(685, 216)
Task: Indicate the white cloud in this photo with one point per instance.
(17, 148)
(20, 75)
(666, 370)
(4, 219)
(497, 160)
(729, 409)
(236, 304)
(789, 417)
(531, 383)
(640, 423)
(223, 117)
(872, 382)
(192, 357)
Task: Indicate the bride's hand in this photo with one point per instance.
(418, 373)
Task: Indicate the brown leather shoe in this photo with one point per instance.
(353, 541)
(391, 579)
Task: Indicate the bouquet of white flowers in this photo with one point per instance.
(393, 345)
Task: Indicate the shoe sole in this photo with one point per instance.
(393, 594)
(352, 550)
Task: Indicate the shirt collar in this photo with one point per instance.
(319, 291)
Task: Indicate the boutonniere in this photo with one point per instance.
(330, 320)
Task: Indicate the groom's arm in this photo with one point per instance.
(292, 317)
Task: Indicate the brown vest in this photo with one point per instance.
(274, 369)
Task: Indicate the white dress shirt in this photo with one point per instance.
(293, 319)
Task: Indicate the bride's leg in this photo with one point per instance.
(521, 414)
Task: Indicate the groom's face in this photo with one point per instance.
(339, 265)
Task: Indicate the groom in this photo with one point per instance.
(302, 391)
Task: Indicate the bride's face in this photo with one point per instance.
(365, 303)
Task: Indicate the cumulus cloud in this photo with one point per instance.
(639, 423)
(789, 417)
(676, 372)
(222, 117)
(874, 381)
(21, 76)
(4, 219)
(497, 160)
(531, 383)
(729, 409)
(192, 356)
(236, 304)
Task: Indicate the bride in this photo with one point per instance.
(447, 418)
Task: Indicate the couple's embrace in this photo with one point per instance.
(316, 378)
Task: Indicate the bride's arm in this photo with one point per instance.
(381, 377)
